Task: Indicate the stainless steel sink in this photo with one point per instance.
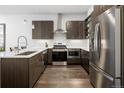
(27, 53)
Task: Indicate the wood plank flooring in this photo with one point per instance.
(72, 76)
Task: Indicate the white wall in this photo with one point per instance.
(15, 26)
(90, 10)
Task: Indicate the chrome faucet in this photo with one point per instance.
(26, 42)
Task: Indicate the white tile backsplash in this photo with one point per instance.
(84, 44)
(41, 43)
(59, 38)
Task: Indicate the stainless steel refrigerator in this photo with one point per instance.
(105, 46)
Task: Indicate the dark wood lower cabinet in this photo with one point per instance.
(21, 72)
(85, 60)
(36, 66)
(14, 73)
(73, 61)
(24, 72)
(49, 56)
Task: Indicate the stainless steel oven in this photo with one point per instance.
(73, 53)
(59, 55)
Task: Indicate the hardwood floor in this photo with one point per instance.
(72, 76)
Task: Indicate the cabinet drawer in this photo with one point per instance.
(73, 61)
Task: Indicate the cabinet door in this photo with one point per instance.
(82, 30)
(106, 7)
(36, 30)
(49, 56)
(70, 30)
(42, 30)
(75, 29)
(14, 73)
(48, 34)
(85, 60)
(98, 9)
(35, 68)
(45, 57)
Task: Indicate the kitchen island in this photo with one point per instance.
(23, 69)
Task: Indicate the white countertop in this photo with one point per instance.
(8, 54)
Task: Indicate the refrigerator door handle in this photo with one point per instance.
(97, 40)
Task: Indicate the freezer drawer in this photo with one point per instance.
(100, 79)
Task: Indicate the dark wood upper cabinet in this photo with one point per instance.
(75, 29)
(99, 9)
(87, 26)
(36, 31)
(82, 30)
(42, 29)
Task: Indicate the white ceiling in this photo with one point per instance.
(43, 9)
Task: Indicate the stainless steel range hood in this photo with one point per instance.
(59, 24)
